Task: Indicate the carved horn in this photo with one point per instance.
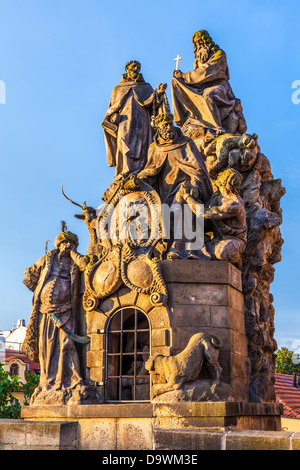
(82, 207)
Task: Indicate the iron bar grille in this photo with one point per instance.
(127, 350)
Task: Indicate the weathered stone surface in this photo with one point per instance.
(213, 272)
(97, 342)
(171, 439)
(181, 336)
(164, 350)
(12, 433)
(97, 374)
(239, 344)
(98, 435)
(165, 439)
(160, 317)
(196, 316)
(95, 322)
(134, 434)
(160, 337)
(257, 440)
(135, 426)
(143, 302)
(31, 435)
(110, 304)
(236, 299)
(120, 410)
(94, 359)
(295, 441)
(127, 297)
(54, 412)
(209, 294)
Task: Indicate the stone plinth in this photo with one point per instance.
(18, 434)
(148, 426)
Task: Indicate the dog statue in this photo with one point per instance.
(172, 372)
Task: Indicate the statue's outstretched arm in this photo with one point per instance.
(80, 260)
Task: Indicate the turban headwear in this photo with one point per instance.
(66, 236)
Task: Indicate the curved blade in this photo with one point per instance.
(77, 338)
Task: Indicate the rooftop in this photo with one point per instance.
(288, 395)
(12, 354)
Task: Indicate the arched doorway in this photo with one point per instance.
(127, 350)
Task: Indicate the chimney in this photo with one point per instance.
(20, 323)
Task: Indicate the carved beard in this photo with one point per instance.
(203, 54)
(64, 251)
(133, 75)
(167, 135)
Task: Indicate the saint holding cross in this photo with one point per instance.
(178, 58)
(203, 98)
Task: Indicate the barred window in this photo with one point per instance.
(127, 350)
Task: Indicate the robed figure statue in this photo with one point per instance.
(54, 279)
(203, 98)
(127, 123)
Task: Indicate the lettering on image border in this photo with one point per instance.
(2, 92)
(296, 94)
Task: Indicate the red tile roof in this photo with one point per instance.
(12, 354)
(288, 395)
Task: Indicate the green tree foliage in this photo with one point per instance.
(286, 362)
(32, 381)
(10, 408)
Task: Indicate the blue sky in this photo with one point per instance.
(60, 60)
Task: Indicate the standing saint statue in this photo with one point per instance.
(203, 98)
(54, 280)
(127, 122)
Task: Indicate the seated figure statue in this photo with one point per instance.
(203, 101)
(177, 171)
(226, 212)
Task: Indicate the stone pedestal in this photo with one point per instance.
(203, 297)
(136, 426)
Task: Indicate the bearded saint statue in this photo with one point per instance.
(204, 104)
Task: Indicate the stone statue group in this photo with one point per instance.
(142, 140)
(204, 157)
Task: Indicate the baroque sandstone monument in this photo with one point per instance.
(167, 322)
